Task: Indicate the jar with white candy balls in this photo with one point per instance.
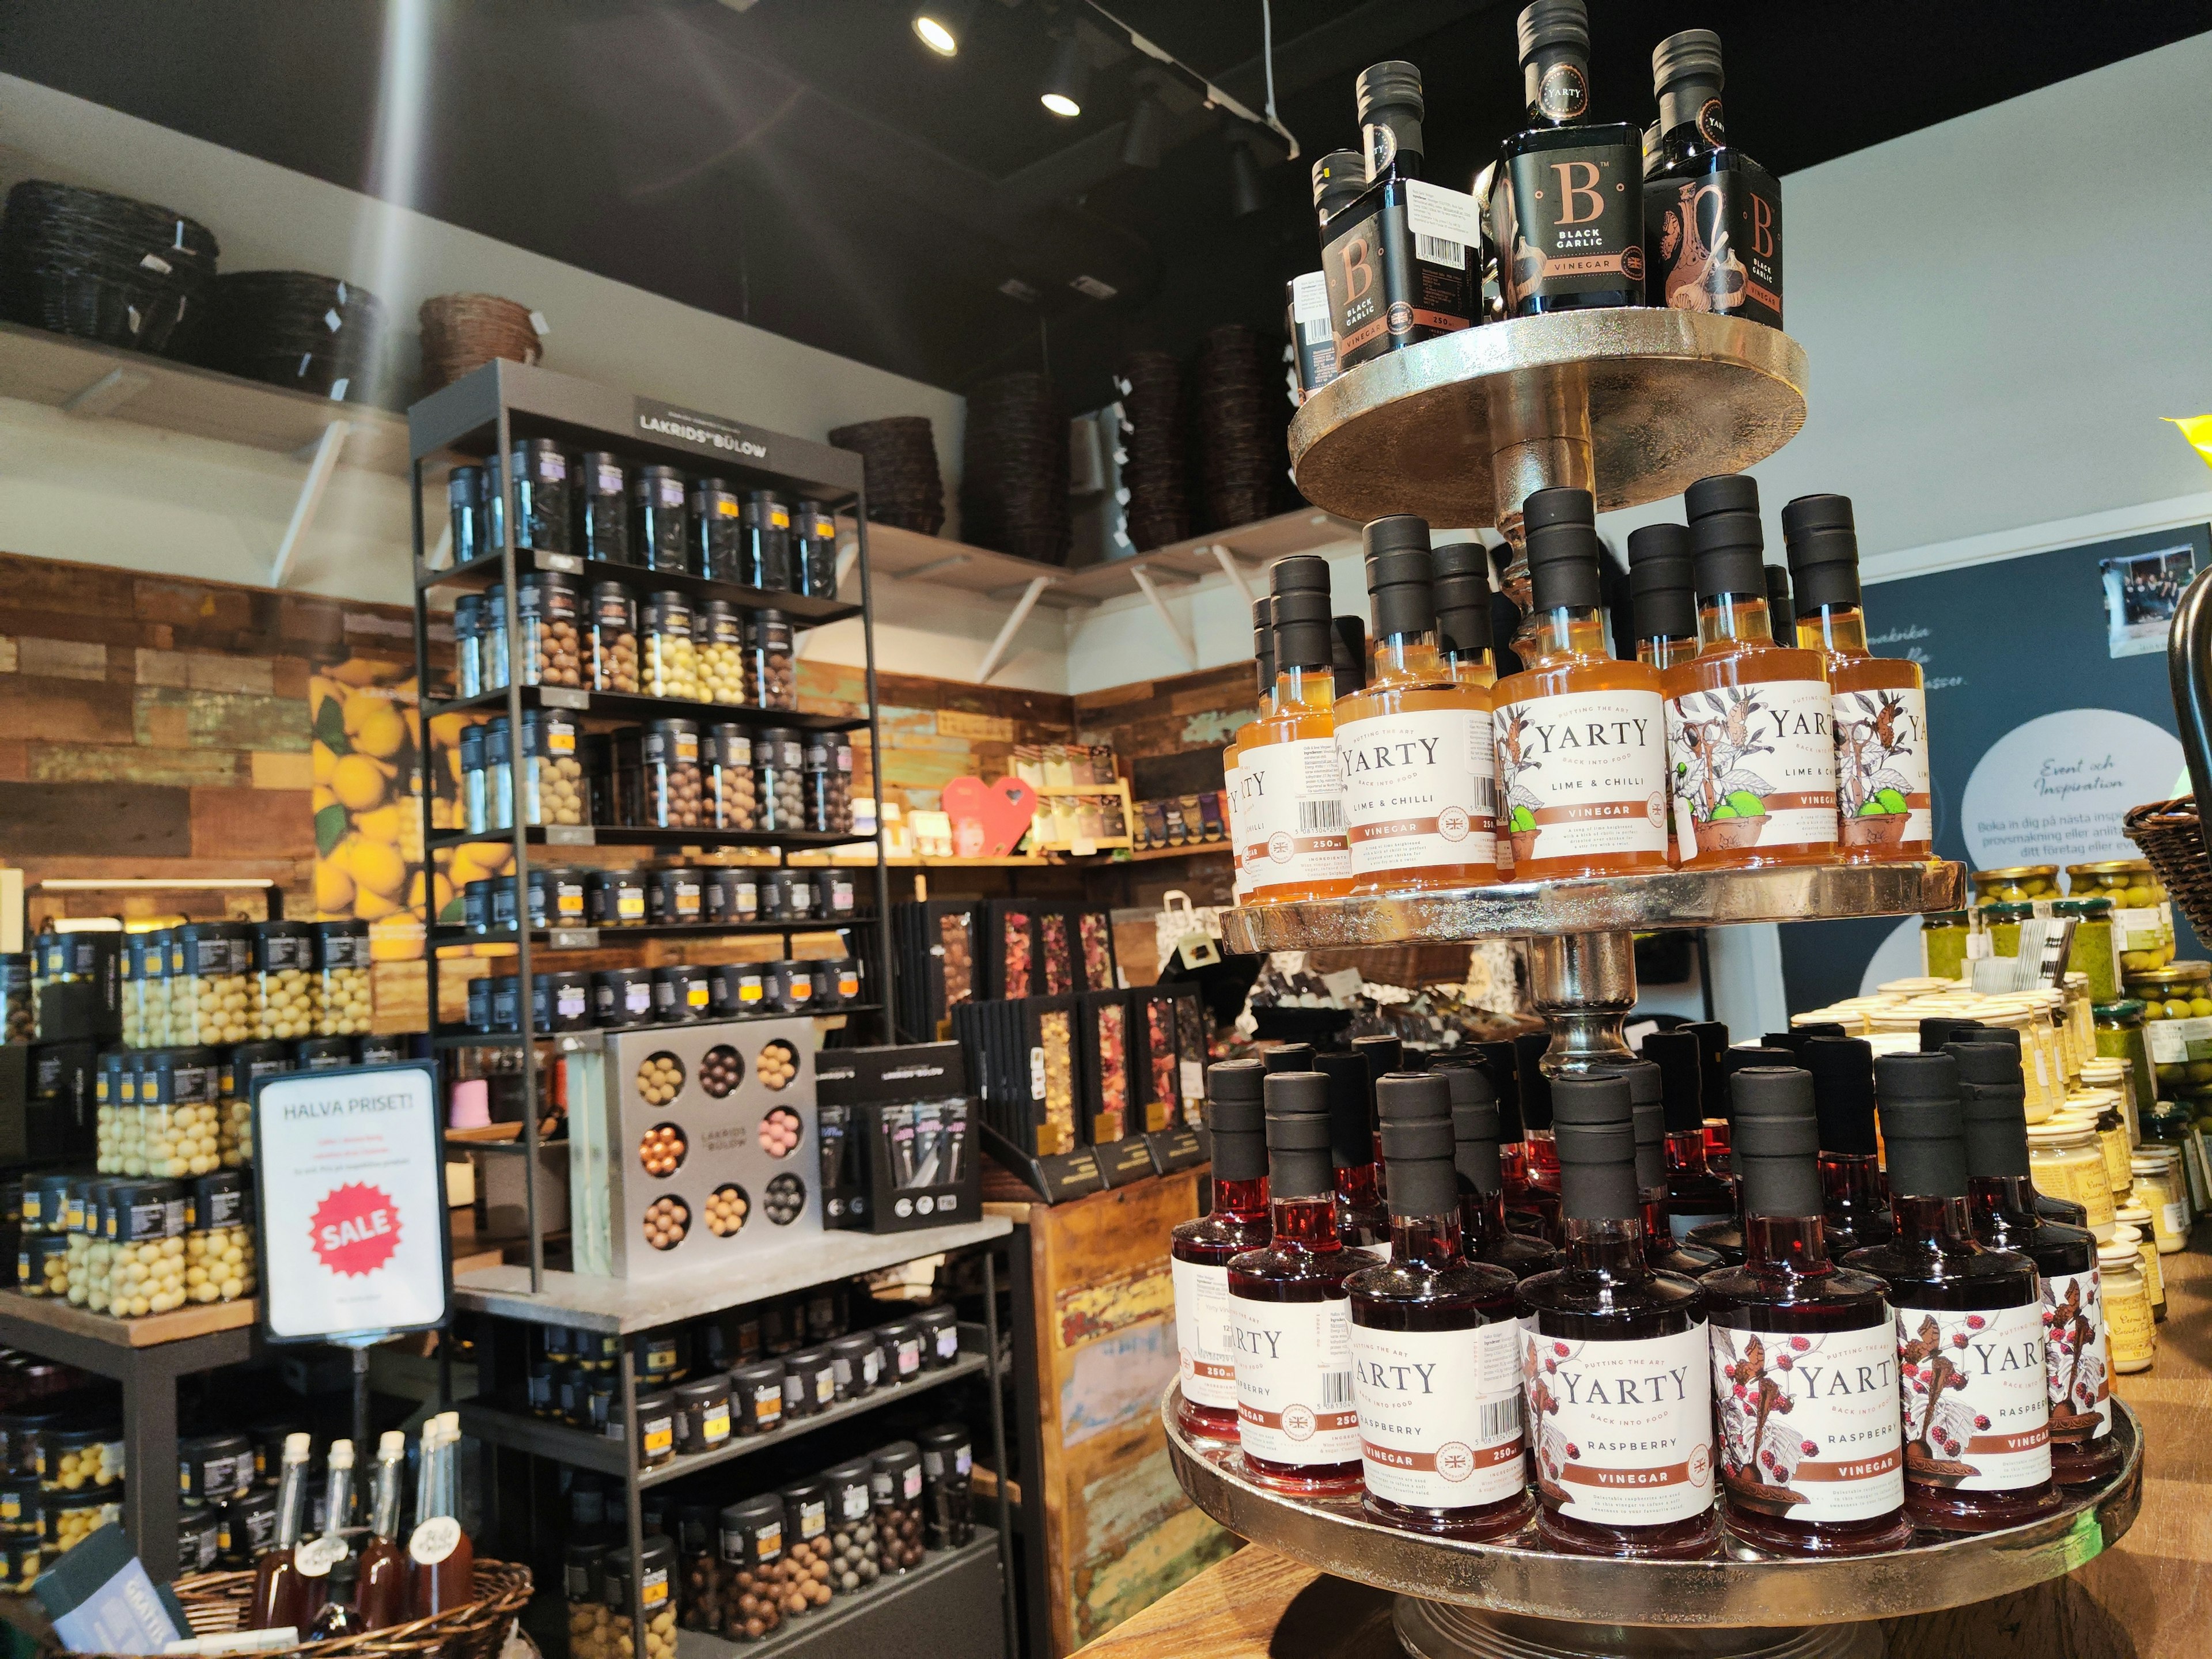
(218, 1239)
(177, 1114)
(147, 1275)
(234, 1079)
(154, 986)
(114, 1086)
(285, 988)
(212, 1001)
(342, 972)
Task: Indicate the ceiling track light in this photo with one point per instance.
(1144, 137)
(1248, 191)
(1070, 78)
(941, 25)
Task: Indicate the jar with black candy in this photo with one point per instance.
(552, 649)
(765, 556)
(592, 1622)
(663, 1356)
(613, 645)
(814, 551)
(541, 494)
(675, 789)
(858, 1361)
(602, 507)
(895, 1503)
(672, 661)
(716, 530)
(729, 760)
(657, 534)
(621, 996)
(468, 509)
(777, 756)
(560, 1001)
(656, 1429)
(718, 639)
(817, 782)
(901, 1340)
(756, 1396)
(469, 646)
(675, 896)
(947, 1461)
(771, 674)
(940, 1338)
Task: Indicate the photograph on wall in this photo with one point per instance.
(2140, 591)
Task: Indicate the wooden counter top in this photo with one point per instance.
(2149, 1597)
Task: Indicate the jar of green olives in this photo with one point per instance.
(2019, 884)
(2176, 1001)
(2143, 915)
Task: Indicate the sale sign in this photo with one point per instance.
(351, 1172)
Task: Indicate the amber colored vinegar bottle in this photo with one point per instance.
(1363, 1222)
(1661, 1248)
(1296, 1421)
(1478, 1157)
(1695, 1195)
(1419, 768)
(1805, 1362)
(2002, 1195)
(1663, 605)
(444, 1560)
(1972, 1373)
(1582, 745)
(1263, 657)
(1287, 767)
(1879, 708)
(1199, 1251)
(1750, 751)
(381, 1586)
(1435, 1347)
(1461, 592)
(1615, 1361)
(277, 1600)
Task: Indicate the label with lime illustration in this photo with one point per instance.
(1583, 773)
(1881, 766)
(1753, 765)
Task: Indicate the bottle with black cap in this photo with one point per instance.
(1400, 257)
(1478, 1148)
(1695, 1195)
(1582, 742)
(1752, 756)
(1969, 1321)
(1615, 1357)
(1384, 1054)
(1296, 1420)
(1712, 217)
(2049, 1205)
(1199, 1251)
(1879, 707)
(1362, 1222)
(1805, 1368)
(1854, 1198)
(1291, 815)
(1339, 179)
(1566, 204)
(1781, 609)
(1724, 1238)
(1288, 1057)
(1662, 588)
(1232, 788)
(1647, 1097)
(1435, 1351)
(1419, 770)
(2002, 1194)
(1500, 1065)
(1462, 590)
(1712, 1037)
(1540, 1152)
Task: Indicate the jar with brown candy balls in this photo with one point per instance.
(552, 652)
(771, 680)
(778, 757)
(552, 776)
(729, 761)
(856, 1550)
(806, 1537)
(895, 1503)
(614, 638)
(675, 789)
(703, 1602)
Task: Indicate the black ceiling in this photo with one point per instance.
(809, 166)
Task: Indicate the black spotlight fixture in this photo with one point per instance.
(1144, 138)
(1069, 80)
(1248, 191)
(941, 25)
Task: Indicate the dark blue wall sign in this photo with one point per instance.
(2022, 673)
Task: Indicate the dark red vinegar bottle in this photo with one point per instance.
(1435, 1345)
(1615, 1361)
(1695, 1195)
(1712, 1035)
(2002, 1197)
(1969, 1321)
(2065, 1210)
(1497, 1063)
(1812, 1452)
(1724, 1238)
(1541, 1153)
(1383, 1055)
(1288, 1320)
(1476, 1157)
(1854, 1198)
(1362, 1222)
(1646, 1097)
(1199, 1251)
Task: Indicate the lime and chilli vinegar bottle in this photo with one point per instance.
(1663, 604)
(1460, 589)
(1297, 1422)
(1970, 1367)
(1286, 761)
(1566, 200)
(1435, 1344)
(1750, 751)
(1199, 1251)
(1879, 707)
(1581, 736)
(1615, 1361)
(1232, 791)
(1804, 1352)
(1712, 217)
(1363, 1222)
(1419, 768)
(1477, 1156)
(1662, 1248)
(2002, 1194)
(1695, 1195)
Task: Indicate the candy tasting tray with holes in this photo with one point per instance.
(711, 1129)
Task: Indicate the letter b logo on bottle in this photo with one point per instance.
(1578, 184)
(1358, 273)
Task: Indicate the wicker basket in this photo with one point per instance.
(215, 1602)
(462, 332)
(2172, 837)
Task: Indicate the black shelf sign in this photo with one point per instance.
(708, 434)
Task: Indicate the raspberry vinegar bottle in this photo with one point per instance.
(1199, 1251)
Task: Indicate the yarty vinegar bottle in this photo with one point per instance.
(1661, 1249)
(1363, 1224)
(1292, 782)
(1477, 1156)
(1695, 1195)
(1232, 791)
(1854, 1198)
(1199, 1251)
(1663, 604)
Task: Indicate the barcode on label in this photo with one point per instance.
(1485, 797)
(1437, 251)
(1500, 1419)
(1335, 1388)
(1327, 813)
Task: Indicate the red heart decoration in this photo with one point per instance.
(1003, 810)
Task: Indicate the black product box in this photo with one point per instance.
(899, 1134)
(1168, 1055)
(1060, 950)
(47, 1111)
(1110, 1111)
(1094, 931)
(936, 942)
(1007, 959)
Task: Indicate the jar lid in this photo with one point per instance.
(853, 1472)
(89, 1434)
(703, 1391)
(806, 1359)
(937, 1318)
(899, 1454)
(2111, 867)
(761, 1374)
(2125, 1008)
(943, 1437)
(2120, 1255)
(2127, 1229)
(91, 1499)
(2096, 908)
(852, 1342)
(2054, 1133)
(2094, 1101)
(2142, 1161)
(322, 1054)
(224, 1443)
(2006, 910)
(809, 1489)
(2017, 873)
(1944, 919)
(657, 471)
(2174, 973)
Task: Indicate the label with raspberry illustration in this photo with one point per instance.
(1881, 767)
(1202, 1344)
(1294, 1402)
(1439, 1415)
(1977, 1397)
(1753, 765)
(1622, 1431)
(1808, 1425)
(2074, 1347)
(1583, 773)
(1420, 789)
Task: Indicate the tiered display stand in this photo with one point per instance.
(1634, 405)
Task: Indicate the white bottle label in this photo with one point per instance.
(1977, 1403)
(1294, 1400)
(1291, 816)
(1809, 1428)
(1420, 789)
(2073, 1339)
(433, 1540)
(1753, 765)
(1231, 788)
(1622, 1431)
(1439, 1414)
(1583, 773)
(1202, 1341)
(1881, 767)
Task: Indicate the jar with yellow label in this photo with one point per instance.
(1943, 944)
(2020, 882)
(2102, 1106)
(2170, 1130)
(2079, 1012)
(2143, 915)
(2063, 1157)
(2133, 1217)
(2127, 1335)
(2093, 951)
(2041, 1074)
(2103, 1071)
(2176, 1002)
(2157, 1184)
